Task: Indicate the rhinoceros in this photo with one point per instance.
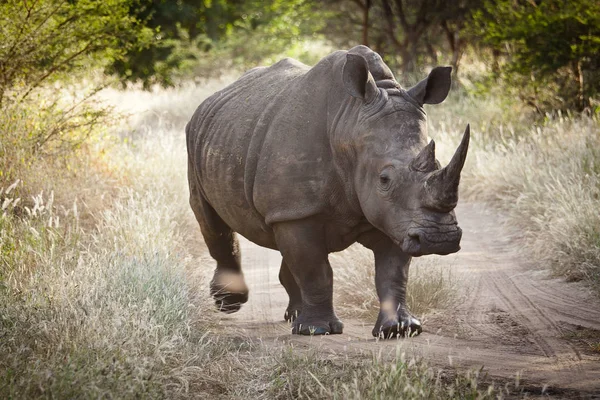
(308, 161)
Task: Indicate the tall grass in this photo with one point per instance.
(111, 309)
(114, 310)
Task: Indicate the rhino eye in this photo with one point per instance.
(384, 179)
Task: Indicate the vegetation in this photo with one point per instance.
(99, 295)
(310, 375)
(103, 298)
(551, 49)
(44, 40)
(199, 36)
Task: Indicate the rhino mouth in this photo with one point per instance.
(418, 243)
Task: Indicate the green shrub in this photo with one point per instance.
(551, 49)
(46, 40)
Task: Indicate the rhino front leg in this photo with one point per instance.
(293, 290)
(391, 277)
(303, 248)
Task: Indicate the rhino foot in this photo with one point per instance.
(292, 313)
(407, 326)
(317, 327)
(230, 302)
(229, 291)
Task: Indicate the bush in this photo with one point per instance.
(551, 49)
(46, 40)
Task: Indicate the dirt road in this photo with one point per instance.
(514, 319)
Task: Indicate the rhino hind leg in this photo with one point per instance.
(293, 290)
(227, 287)
(304, 252)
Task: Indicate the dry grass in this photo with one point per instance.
(112, 309)
(289, 373)
(431, 285)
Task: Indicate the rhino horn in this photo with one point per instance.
(442, 185)
(458, 159)
(425, 160)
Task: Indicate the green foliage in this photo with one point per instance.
(44, 40)
(551, 48)
(189, 33)
(179, 29)
(273, 28)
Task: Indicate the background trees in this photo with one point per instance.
(545, 48)
(551, 47)
(42, 40)
(548, 49)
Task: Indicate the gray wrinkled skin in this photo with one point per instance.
(308, 161)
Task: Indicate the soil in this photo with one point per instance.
(514, 320)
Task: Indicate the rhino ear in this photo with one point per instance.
(434, 88)
(357, 79)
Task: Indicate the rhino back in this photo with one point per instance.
(259, 148)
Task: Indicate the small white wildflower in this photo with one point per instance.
(50, 201)
(11, 187)
(5, 204)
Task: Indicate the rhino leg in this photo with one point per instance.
(391, 277)
(227, 287)
(293, 290)
(304, 251)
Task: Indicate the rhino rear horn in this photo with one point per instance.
(357, 79)
(425, 160)
(442, 185)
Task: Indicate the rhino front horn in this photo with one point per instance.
(458, 159)
(442, 185)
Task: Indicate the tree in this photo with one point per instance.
(411, 31)
(547, 42)
(181, 29)
(187, 30)
(42, 40)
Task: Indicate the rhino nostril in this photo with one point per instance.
(414, 236)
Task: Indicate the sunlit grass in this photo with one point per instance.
(114, 307)
(320, 373)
